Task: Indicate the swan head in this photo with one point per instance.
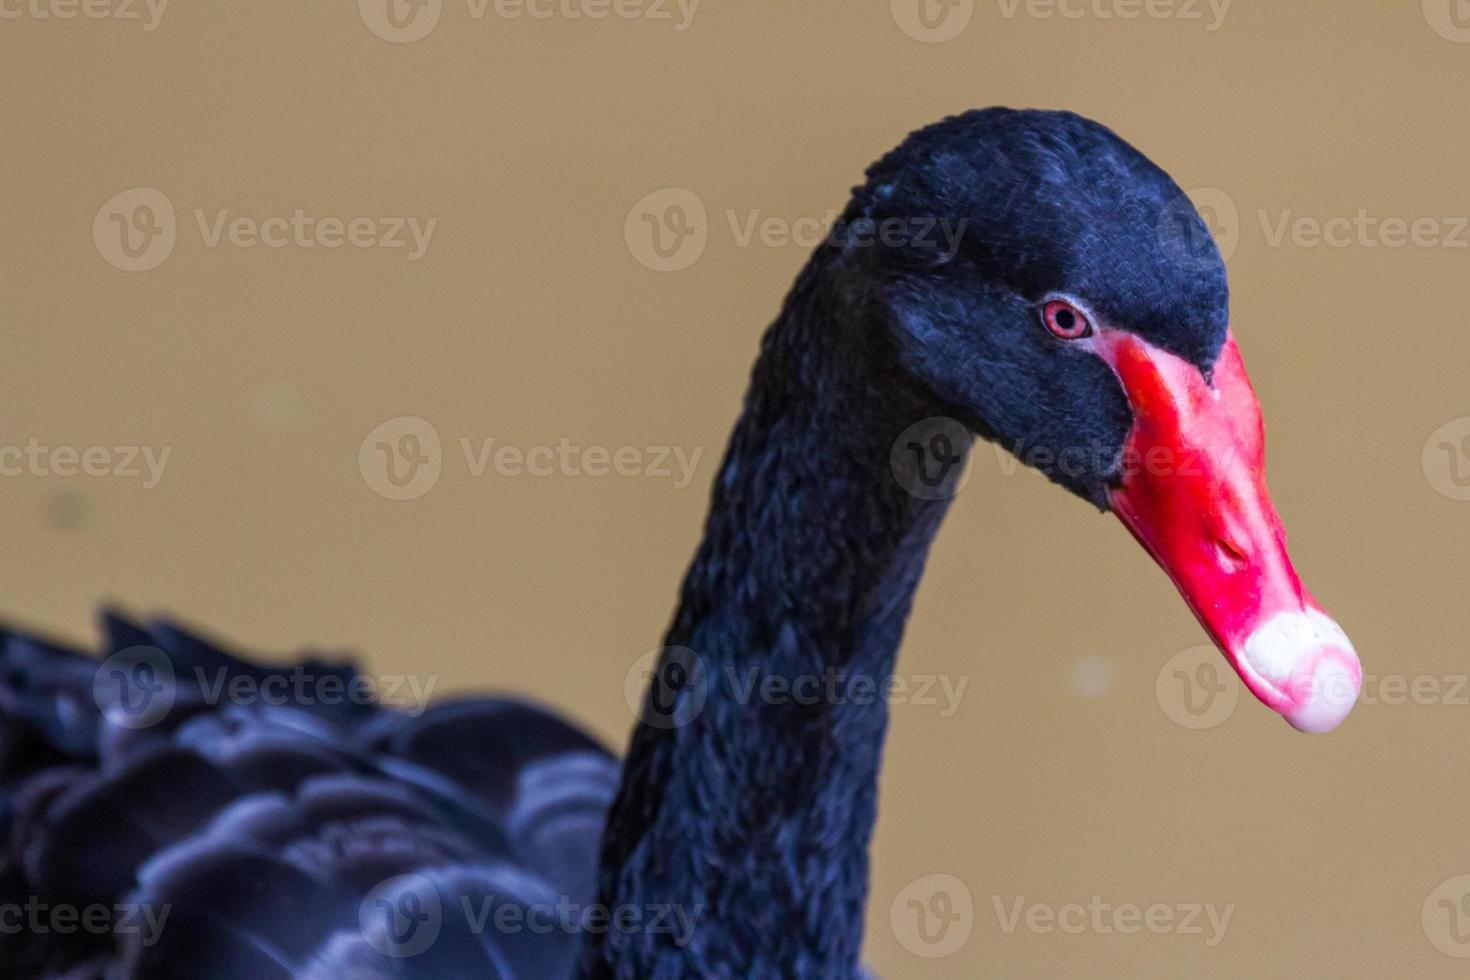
(1076, 311)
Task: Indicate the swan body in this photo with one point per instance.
(1081, 322)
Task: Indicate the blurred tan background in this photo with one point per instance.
(1067, 769)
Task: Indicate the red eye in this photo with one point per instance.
(1066, 321)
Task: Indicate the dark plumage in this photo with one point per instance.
(760, 813)
(251, 832)
(271, 831)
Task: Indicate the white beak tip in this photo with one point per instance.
(1329, 695)
(1303, 665)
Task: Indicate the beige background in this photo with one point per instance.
(530, 319)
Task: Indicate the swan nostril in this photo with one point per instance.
(1231, 557)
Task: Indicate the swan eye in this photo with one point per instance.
(1066, 321)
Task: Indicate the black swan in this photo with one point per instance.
(1081, 323)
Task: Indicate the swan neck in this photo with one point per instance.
(749, 794)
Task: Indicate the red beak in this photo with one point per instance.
(1194, 494)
